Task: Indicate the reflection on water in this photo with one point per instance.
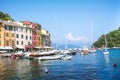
(20, 69)
(96, 66)
(106, 58)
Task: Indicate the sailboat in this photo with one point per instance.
(106, 51)
(92, 49)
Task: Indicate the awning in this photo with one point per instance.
(8, 47)
(20, 47)
(48, 47)
(38, 47)
(1, 47)
(3, 51)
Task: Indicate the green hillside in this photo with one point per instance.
(113, 39)
(4, 16)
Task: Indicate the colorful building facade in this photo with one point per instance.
(1, 34)
(23, 35)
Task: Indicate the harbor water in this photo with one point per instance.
(94, 66)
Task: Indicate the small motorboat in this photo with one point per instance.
(68, 57)
(54, 57)
(106, 52)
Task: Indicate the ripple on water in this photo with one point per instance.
(87, 67)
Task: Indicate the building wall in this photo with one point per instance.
(9, 37)
(48, 41)
(17, 34)
(1, 34)
(23, 37)
(28, 41)
(34, 36)
(45, 37)
(38, 40)
(20, 35)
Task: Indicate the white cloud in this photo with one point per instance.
(76, 38)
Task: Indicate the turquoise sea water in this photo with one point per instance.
(95, 66)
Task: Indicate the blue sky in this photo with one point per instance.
(67, 20)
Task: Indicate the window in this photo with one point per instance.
(10, 28)
(16, 28)
(12, 34)
(21, 42)
(30, 31)
(7, 43)
(26, 37)
(21, 29)
(30, 37)
(21, 36)
(13, 28)
(13, 43)
(26, 30)
(6, 27)
(17, 42)
(17, 36)
(7, 34)
(28, 43)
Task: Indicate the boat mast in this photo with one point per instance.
(105, 41)
(91, 35)
(56, 22)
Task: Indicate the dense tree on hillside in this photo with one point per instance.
(113, 39)
(4, 16)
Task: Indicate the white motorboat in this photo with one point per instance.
(50, 57)
(68, 57)
(92, 51)
(106, 52)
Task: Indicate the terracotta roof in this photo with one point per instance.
(27, 22)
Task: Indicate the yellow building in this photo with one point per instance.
(9, 34)
(45, 37)
(9, 38)
(38, 38)
(1, 34)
